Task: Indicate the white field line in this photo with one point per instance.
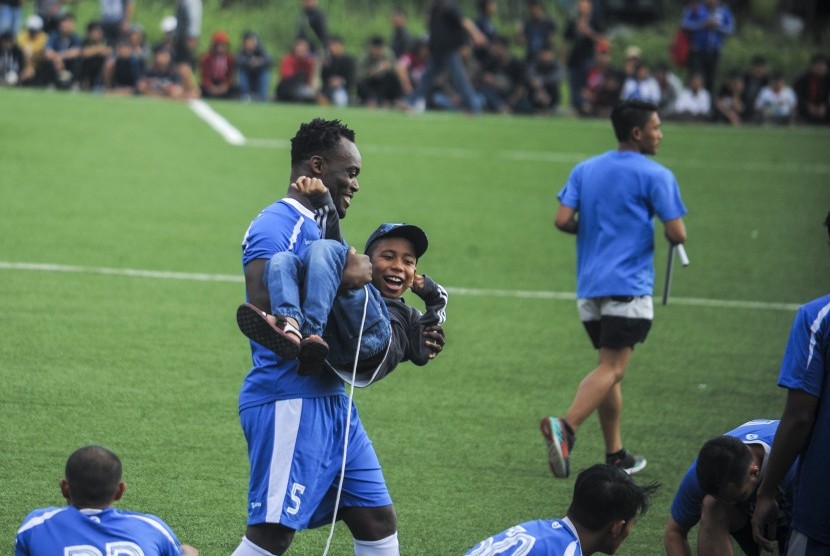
(463, 292)
(219, 124)
(233, 136)
(552, 156)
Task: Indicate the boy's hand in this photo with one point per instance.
(418, 284)
(434, 339)
(309, 186)
(357, 272)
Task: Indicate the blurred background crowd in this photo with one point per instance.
(468, 59)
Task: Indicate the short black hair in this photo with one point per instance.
(630, 114)
(318, 137)
(605, 493)
(93, 473)
(722, 461)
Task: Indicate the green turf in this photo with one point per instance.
(151, 367)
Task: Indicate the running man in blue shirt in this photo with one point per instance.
(616, 196)
(718, 490)
(89, 524)
(804, 432)
(606, 503)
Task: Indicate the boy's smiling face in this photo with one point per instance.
(393, 266)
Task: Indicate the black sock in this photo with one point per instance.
(569, 432)
(615, 456)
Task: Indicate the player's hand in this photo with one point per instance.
(418, 284)
(357, 272)
(309, 186)
(764, 520)
(434, 339)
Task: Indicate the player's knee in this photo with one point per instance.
(272, 537)
(371, 524)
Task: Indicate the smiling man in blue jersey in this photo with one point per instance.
(719, 491)
(606, 503)
(89, 525)
(295, 423)
(609, 202)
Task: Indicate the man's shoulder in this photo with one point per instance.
(40, 516)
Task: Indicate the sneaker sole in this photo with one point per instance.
(556, 459)
(636, 468)
(255, 326)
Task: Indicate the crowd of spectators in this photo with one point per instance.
(463, 63)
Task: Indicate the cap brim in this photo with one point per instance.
(413, 234)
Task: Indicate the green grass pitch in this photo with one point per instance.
(150, 365)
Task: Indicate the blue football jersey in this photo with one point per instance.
(283, 226)
(806, 367)
(617, 194)
(69, 531)
(532, 538)
(688, 501)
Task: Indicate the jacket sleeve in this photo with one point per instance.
(325, 214)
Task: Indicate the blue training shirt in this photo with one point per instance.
(72, 532)
(532, 538)
(805, 367)
(686, 508)
(283, 226)
(617, 194)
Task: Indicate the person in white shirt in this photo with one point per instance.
(776, 102)
(694, 101)
(641, 86)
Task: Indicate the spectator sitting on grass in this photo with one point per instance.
(63, 55)
(641, 86)
(162, 79)
(670, 88)
(776, 102)
(125, 71)
(12, 60)
(254, 64)
(94, 54)
(729, 106)
(694, 102)
(602, 86)
(377, 82)
(32, 41)
(812, 89)
(218, 69)
(544, 80)
(337, 73)
(297, 72)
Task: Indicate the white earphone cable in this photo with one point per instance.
(348, 421)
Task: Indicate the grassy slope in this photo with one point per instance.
(152, 367)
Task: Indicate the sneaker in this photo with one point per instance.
(313, 353)
(627, 462)
(559, 447)
(282, 338)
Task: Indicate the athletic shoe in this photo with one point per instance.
(282, 338)
(559, 447)
(627, 462)
(313, 353)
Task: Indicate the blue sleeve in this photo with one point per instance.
(665, 197)
(804, 358)
(268, 235)
(569, 195)
(727, 22)
(688, 502)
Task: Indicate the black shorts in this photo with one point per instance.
(616, 322)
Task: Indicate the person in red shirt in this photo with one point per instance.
(298, 70)
(218, 69)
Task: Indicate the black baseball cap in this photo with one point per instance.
(407, 231)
